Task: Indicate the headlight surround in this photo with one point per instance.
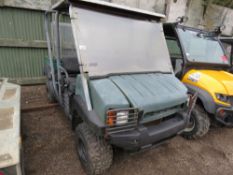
(117, 117)
(222, 97)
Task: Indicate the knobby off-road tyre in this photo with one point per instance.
(94, 153)
(199, 124)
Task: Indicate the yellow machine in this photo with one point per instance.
(219, 84)
(199, 60)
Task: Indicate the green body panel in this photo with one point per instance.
(105, 95)
(158, 95)
(79, 88)
(152, 92)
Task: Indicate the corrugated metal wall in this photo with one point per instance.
(22, 44)
(23, 65)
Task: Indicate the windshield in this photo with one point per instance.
(199, 48)
(112, 44)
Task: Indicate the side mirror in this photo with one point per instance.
(182, 19)
(218, 30)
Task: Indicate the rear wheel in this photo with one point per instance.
(199, 124)
(94, 153)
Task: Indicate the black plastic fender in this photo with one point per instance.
(89, 117)
(205, 98)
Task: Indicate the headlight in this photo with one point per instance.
(117, 117)
(223, 98)
(122, 117)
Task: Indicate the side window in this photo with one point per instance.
(228, 48)
(173, 48)
(66, 41)
(69, 59)
(67, 49)
(67, 45)
(176, 56)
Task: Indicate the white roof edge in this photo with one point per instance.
(109, 4)
(226, 37)
(57, 4)
(117, 6)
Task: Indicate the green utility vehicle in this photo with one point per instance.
(109, 68)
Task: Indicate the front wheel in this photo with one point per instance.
(199, 124)
(95, 154)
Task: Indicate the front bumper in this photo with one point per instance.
(146, 136)
(225, 115)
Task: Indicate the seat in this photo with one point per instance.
(70, 64)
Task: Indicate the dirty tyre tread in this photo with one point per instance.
(202, 124)
(99, 152)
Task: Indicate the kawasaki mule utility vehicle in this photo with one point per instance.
(109, 68)
(199, 60)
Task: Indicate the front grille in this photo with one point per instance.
(159, 115)
(131, 124)
(159, 121)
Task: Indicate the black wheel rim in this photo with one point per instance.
(191, 124)
(82, 152)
